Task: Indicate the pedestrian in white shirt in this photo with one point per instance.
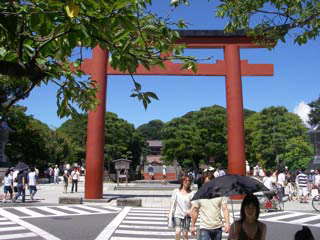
(32, 182)
(281, 181)
(75, 178)
(56, 172)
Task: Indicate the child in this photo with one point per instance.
(290, 190)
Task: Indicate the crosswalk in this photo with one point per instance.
(146, 224)
(14, 226)
(151, 223)
(292, 217)
(53, 211)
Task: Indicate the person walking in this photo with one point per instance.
(164, 174)
(56, 172)
(180, 207)
(8, 185)
(66, 176)
(32, 182)
(210, 215)
(15, 183)
(75, 178)
(21, 183)
(150, 171)
(248, 226)
(302, 182)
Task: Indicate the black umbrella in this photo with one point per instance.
(228, 185)
(21, 166)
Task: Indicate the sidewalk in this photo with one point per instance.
(152, 197)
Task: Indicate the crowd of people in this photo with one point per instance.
(17, 182)
(300, 185)
(214, 214)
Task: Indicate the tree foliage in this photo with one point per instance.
(39, 38)
(152, 130)
(275, 132)
(273, 19)
(33, 142)
(122, 140)
(314, 115)
(270, 19)
(195, 137)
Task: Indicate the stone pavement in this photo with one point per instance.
(153, 196)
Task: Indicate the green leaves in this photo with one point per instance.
(38, 39)
(275, 18)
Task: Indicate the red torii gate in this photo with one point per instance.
(231, 67)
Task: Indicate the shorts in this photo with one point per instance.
(15, 189)
(182, 223)
(303, 191)
(7, 189)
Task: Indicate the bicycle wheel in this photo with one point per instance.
(316, 203)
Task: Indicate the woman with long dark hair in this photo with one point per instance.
(248, 227)
(180, 208)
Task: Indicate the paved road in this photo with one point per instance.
(99, 221)
(55, 222)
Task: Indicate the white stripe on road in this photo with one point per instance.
(146, 211)
(17, 235)
(53, 211)
(153, 209)
(143, 227)
(147, 218)
(306, 219)
(147, 214)
(99, 210)
(29, 226)
(113, 208)
(111, 227)
(145, 222)
(73, 210)
(6, 229)
(133, 238)
(171, 233)
(7, 223)
(269, 213)
(29, 212)
(3, 219)
(278, 218)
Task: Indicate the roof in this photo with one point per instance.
(121, 159)
(154, 143)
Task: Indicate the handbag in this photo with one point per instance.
(172, 210)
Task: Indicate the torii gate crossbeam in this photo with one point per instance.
(231, 67)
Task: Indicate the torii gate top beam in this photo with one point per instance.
(201, 39)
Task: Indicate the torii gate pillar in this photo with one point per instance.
(96, 125)
(236, 142)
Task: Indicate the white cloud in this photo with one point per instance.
(303, 110)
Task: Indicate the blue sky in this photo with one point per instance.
(295, 80)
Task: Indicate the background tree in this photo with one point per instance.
(75, 129)
(273, 132)
(121, 139)
(33, 142)
(314, 115)
(273, 19)
(152, 130)
(38, 38)
(195, 137)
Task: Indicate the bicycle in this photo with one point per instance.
(271, 200)
(316, 203)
